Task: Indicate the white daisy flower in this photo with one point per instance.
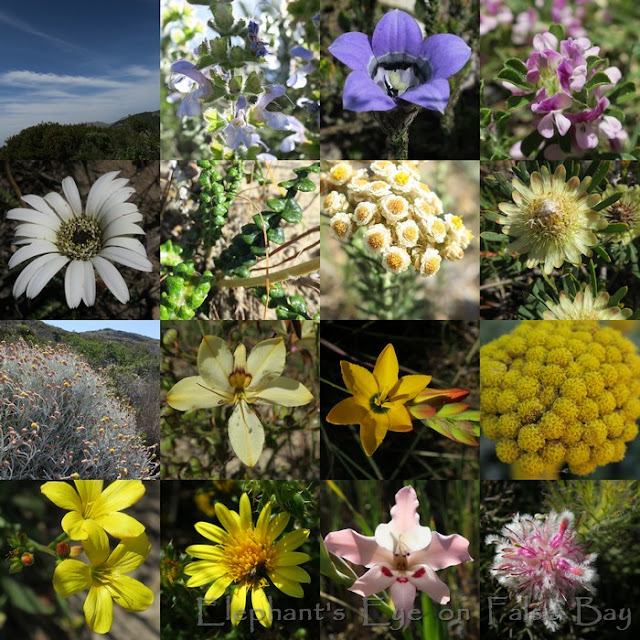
(395, 260)
(57, 232)
(585, 306)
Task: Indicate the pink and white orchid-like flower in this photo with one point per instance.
(402, 555)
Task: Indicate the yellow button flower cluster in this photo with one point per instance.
(402, 219)
(560, 391)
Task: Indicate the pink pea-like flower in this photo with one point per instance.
(542, 564)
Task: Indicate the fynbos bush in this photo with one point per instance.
(57, 419)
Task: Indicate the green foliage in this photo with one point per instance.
(133, 138)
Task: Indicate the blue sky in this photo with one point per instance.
(150, 328)
(77, 61)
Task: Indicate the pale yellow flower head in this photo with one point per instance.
(552, 219)
(585, 307)
(341, 225)
(240, 381)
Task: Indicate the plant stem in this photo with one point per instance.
(295, 271)
(395, 124)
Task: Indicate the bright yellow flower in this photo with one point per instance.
(93, 511)
(105, 578)
(236, 380)
(248, 557)
(379, 399)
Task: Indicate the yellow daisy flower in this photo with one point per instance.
(379, 399)
(552, 219)
(93, 511)
(105, 578)
(249, 558)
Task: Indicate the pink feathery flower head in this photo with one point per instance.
(402, 555)
(542, 564)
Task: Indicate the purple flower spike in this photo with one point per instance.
(396, 64)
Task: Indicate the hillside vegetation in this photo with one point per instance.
(130, 363)
(135, 137)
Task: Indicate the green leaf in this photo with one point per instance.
(623, 92)
(607, 202)
(512, 76)
(223, 17)
(494, 237)
(235, 85)
(253, 83)
(615, 299)
(276, 235)
(530, 144)
(599, 173)
(598, 249)
(598, 79)
(277, 204)
(515, 102)
(214, 120)
(292, 212)
(306, 184)
(557, 30)
(518, 65)
(616, 227)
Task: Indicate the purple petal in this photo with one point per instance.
(446, 54)
(189, 106)
(555, 102)
(563, 123)
(353, 49)
(361, 93)
(545, 126)
(432, 95)
(397, 32)
(187, 69)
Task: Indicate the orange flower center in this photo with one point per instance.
(249, 559)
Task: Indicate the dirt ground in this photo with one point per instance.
(41, 177)
(179, 184)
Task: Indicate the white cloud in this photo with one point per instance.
(44, 102)
(16, 23)
(34, 79)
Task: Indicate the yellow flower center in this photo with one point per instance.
(397, 205)
(410, 234)
(401, 178)
(340, 228)
(550, 215)
(393, 260)
(376, 240)
(431, 265)
(378, 404)
(240, 380)
(248, 559)
(341, 172)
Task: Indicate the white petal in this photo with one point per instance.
(112, 278)
(122, 208)
(35, 217)
(121, 228)
(126, 257)
(74, 284)
(246, 434)
(130, 218)
(100, 190)
(89, 292)
(116, 197)
(59, 205)
(51, 264)
(132, 244)
(70, 190)
(36, 248)
(39, 204)
(35, 232)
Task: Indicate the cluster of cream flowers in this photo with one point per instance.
(402, 218)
